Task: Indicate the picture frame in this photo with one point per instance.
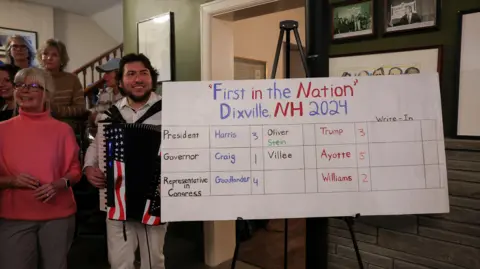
(156, 39)
(388, 62)
(30, 36)
(411, 15)
(467, 70)
(353, 19)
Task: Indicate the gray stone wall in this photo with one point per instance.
(447, 241)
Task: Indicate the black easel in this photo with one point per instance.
(350, 222)
(237, 243)
(287, 26)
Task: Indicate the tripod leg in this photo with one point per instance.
(277, 53)
(237, 244)
(349, 221)
(285, 245)
(302, 53)
(287, 54)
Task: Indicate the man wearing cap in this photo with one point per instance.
(111, 93)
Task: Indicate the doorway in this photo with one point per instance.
(238, 41)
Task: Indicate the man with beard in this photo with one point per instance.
(137, 78)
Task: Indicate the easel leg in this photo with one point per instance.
(287, 26)
(350, 221)
(285, 245)
(237, 243)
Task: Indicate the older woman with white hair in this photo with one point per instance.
(38, 164)
(19, 52)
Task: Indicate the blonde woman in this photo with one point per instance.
(68, 100)
(38, 164)
(19, 52)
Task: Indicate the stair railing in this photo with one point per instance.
(89, 76)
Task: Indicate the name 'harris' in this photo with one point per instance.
(219, 134)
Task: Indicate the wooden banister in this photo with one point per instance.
(105, 55)
(90, 78)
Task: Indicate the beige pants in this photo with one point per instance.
(121, 253)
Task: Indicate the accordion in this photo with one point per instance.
(133, 172)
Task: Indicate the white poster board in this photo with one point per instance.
(468, 90)
(368, 145)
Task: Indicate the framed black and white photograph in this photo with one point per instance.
(353, 19)
(5, 33)
(410, 15)
(156, 39)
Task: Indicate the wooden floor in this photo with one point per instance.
(265, 249)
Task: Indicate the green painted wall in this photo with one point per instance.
(446, 36)
(187, 30)
(187, 60)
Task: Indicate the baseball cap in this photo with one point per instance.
(112, 64)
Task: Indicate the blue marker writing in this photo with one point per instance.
(231, 179)
(228, 94)
(228, 156)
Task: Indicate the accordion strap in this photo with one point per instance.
(154, 109)
(113, 116)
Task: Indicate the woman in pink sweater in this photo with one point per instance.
(38, 163)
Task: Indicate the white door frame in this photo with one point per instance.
(219, 237)
(207, 12)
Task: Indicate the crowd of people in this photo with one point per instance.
(39, 155)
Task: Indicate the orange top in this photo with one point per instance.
(45, 148)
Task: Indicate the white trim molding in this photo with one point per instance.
(212, 9)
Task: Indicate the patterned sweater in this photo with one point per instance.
(68, 100)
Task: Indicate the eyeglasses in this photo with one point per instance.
(30, 87)
(19, 47)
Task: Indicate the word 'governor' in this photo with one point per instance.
(300, 158)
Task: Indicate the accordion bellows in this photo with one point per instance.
(133, 172)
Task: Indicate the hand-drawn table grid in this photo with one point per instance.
(335, 157)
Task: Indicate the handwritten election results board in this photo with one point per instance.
(319, 147)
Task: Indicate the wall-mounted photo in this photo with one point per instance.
(5, 33)
(408, 15)
(352, 19)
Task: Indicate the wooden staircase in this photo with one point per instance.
(89, 77)
(90, 220)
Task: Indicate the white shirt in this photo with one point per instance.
(130, 115)
(106, 98)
